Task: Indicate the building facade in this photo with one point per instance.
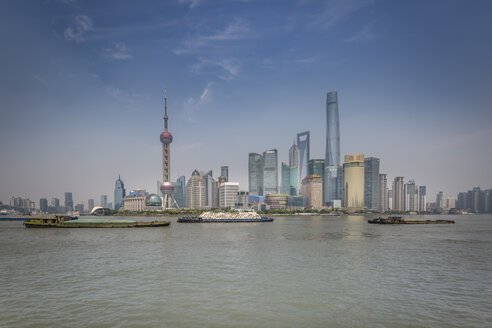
(397, 194)
(195, 191)
(371, 183)
(68, 201)
(353, 182)
(224, 172)
(383, 192)
(289, 180)
(270, 172)
(312, 191)
(276, 201)
(255, 174)
(119, 193)
(228, 194)
(303, 143)
(332, 153)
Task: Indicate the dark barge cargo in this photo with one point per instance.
(400, 220)
(61, 221)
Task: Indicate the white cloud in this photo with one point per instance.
(81, 25)
(237, 30)
(192, 105)
(337, 10)
(191, 3)
(118, 51)
(224, 68)
(364, 34)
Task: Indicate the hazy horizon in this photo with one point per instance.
(82, 89)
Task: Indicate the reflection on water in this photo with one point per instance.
(309, 271)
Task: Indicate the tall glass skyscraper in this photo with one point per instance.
(303, 145)
(270, 172)
(290, 184)
(119, 193)
(332, 155)
(371, 183)
(255, 174)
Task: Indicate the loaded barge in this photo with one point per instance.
(62, 221)
(211, 217)
(400, 220)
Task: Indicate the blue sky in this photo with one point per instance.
(81, 89)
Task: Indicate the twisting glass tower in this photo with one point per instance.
(332, 157)
(166, 187)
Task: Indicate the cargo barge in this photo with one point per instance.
(61, 221)
(212, 217)
(400, 220)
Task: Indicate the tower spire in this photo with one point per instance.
(165, 109)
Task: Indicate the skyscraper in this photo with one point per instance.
(303, 145)
(255, 174)
(371, 183)
(270, 172)
(43, 205)
(68, 201)
(317, 167)
(210, 190)
(294, 155)
(104, 200)
(224, 171)
(332, 154)
(166, 139)
(422, 198)
(90, 204)
(195, 191)
(289, 180)
(119, 193)
(182, 181)
(353, 182)
(383, 192)
(294, 162)
(397, 194)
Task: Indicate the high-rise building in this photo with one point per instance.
(332, 154)
(79, 208)
(289, 180)
(397, 194)
(195, 191)
(270, 172)
(228, 194)
(178, 194)
(317, 167)
(383, 192)
(371, 183)
(312, 190)
(224, 171)
(390, 199)
(441, 200)
(294, 161)
(255, 174)
(422, 199)
(242, 199)
(43, 205)
(353, 182)
(55, 203)
(410, 199)
(90, 205)
(303, 145)
(68, 201)
(167, 188)
(104, 200)
(182, 182)
(119, 193)
(211, 192)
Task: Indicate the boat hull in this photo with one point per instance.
(200, 220)
(95, 224)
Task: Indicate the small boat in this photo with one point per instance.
(62, 221)
(400, 220)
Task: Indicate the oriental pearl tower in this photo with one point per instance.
(166, 187)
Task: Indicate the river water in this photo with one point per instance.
(313, 271)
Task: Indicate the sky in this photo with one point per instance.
(82, 89)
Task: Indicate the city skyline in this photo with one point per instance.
(86, 105)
